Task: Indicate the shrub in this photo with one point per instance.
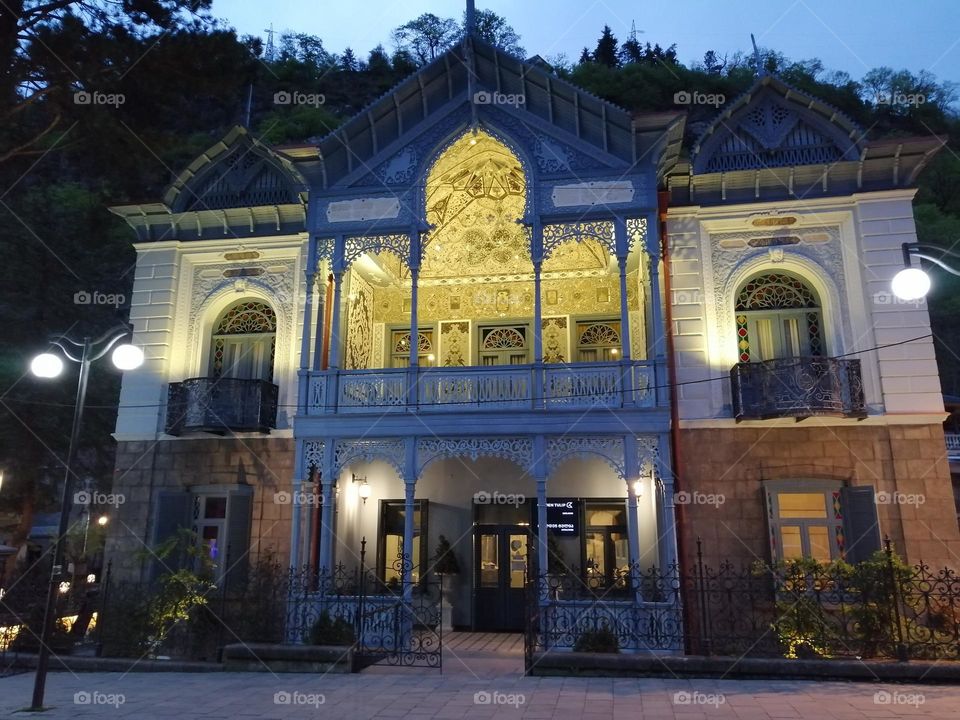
(599, 640)
(331, 631)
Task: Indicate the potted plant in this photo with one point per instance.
(445, 565)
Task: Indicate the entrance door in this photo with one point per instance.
(500, 562)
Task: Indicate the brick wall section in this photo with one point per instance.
(908, 459)
(143, 468)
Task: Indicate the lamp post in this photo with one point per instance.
(49, 365)
(912, 283)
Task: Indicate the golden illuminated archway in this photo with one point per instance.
(476, 193)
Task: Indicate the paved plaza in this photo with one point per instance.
(475, 683)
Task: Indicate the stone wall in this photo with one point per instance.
(144, 468)
(734, 461)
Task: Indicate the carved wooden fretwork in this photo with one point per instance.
(518, 450)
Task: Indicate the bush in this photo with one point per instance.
(327, 631)
(601, 640)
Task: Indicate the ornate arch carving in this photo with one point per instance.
(517, 449)
(390, 450)
(600, 230)
(610, 449)
(397, 244)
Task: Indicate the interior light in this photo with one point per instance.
(638, 488)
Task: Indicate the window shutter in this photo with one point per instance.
(239, 518)
(171, 513)
(860, 526)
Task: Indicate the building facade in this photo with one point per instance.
(437, 322)
(470, 313)
(785, 228)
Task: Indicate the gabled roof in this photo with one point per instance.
(254, 175)
(807, 104)
(468, 67)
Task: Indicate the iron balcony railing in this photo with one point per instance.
(221, 405)
(797, 387)
(953, 445)
(571, 386)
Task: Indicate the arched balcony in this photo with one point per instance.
(489, 306)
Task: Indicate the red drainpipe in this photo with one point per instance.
(663, 198)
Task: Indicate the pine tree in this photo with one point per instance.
(606, 52)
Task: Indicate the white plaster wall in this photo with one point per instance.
(152, 313)
(859, 311)
(908, 373)
(175, 335)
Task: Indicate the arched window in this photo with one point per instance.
(778, 316)
(245, 342)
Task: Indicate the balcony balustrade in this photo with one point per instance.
(798, 388)
(220, 405)
(953, 445)
(576, 386)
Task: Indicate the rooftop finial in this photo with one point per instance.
(471, 24)
(760, 70)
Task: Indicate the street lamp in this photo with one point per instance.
(49, 365)
(912, 283)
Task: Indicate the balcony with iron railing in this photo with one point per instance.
(797, 387)
(953, 446)
(221, 405)
(573, 386)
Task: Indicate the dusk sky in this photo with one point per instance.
(851, 35)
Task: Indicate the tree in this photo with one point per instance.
(606, 52)
(494, 29)
(712, 65)
(348, 61)
(585, 57)
(378, 62)
(426, 37)
(49, 47)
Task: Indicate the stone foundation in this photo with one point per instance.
(896, 459)
(143, 468)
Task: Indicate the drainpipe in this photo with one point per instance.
(663, 198)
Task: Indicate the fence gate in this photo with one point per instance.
(392, 622)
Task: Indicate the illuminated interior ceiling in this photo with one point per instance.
(476, 193)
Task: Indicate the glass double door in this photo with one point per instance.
(501, 557)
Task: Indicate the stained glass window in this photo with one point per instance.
(777, 315)
(244, 342)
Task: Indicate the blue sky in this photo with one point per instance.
(851, 35)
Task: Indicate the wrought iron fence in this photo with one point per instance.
(880, 608)
(390, 622)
